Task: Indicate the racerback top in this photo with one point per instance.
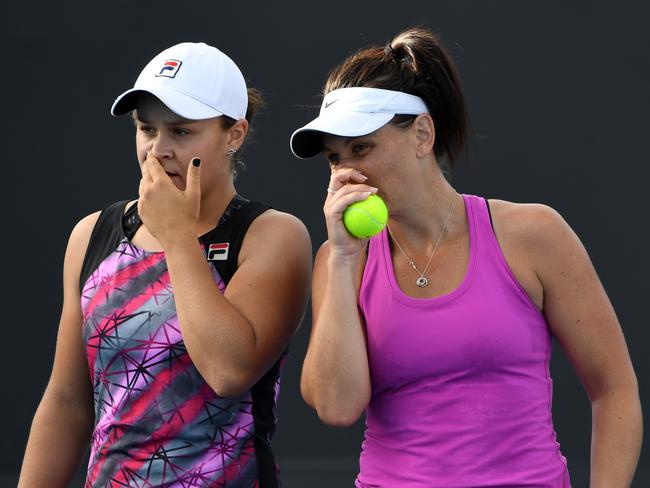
(461, 390)
(157, 422)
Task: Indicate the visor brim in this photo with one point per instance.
(308, 140)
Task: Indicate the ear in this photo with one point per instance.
(237, 134)
(425, 134)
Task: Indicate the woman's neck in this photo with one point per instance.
(419, 214)
(213, 204)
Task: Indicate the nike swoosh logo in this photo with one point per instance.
(330, 103)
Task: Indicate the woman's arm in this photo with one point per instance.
(583, 320)
(335, 376)
(63, 422)
(234, 338)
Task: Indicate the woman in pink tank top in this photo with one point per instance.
(440, 326)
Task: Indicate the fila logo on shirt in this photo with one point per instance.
(218, 252)
(170, 68)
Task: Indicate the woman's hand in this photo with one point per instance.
(167, 212)
(345, 187)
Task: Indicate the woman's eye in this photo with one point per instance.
(181, 132)
(359, 148)
(146, 129)
(333, 158)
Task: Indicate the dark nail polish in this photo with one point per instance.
(196, 162)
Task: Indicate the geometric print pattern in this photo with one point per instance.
(157, 422)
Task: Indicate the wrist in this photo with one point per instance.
(337, 263)
(178, 240)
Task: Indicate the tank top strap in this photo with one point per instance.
(105, 237)
(493, 261)
(481, 232)
(224, 242)
(488, 245)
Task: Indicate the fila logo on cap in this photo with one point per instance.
(170, 68)
(218, 252)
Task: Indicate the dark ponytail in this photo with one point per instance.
(413, 62)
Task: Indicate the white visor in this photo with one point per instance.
(353, 112)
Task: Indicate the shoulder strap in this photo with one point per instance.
(487, 205)
(105, 237)
(223, 243)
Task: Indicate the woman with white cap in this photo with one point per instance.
(440, 326)
(178, 307)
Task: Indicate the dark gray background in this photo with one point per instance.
(557, 94)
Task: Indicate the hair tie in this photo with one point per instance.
(400, 54)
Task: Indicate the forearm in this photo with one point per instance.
(335, 378)
(57, 441)
(617, 430)
(218, 338)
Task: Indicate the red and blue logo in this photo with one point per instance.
(218, 252)
(170, 68)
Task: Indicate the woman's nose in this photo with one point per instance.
(161, 147)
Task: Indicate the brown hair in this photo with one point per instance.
(255, 104)
(414, 62)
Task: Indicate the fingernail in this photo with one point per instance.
(363, 176)
(367, 193)
(196, 162)
(374, 189)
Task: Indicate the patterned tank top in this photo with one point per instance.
(157, 422)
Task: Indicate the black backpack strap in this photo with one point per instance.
(105, 237)
(223, 243)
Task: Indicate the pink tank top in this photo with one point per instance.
(461, 389)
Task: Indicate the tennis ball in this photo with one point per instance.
(366, 218)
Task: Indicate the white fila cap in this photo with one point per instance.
(353, 112)
(193, 80)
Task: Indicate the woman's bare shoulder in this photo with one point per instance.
(530, 222)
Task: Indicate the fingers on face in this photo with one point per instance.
(346, 195)
(339, 178)
(146, 173)
(194, 175)
(346, 187)
(151, 171)
(343, 201)
(154, 168)
(353, 188)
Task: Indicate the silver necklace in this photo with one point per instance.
(422, 281)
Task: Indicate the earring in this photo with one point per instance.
(231, 151)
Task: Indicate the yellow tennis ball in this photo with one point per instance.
(366, 218)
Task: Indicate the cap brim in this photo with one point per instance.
(179, 103)
(308, 140)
